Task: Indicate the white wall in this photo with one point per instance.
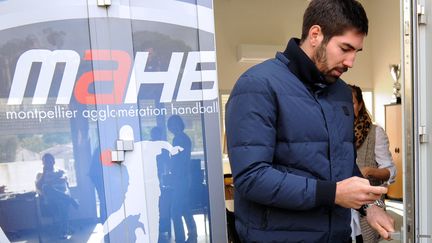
(274, 22)
(265, 23)
(252, 22)
(384, 18)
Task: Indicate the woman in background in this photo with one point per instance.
(374, 160)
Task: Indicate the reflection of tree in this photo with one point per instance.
(9, 53)
(38, 143)
(55, 38)
(8, 146)
(34, 143)
(158, 41)
(12, 49)
(159, 46)
(56, 138)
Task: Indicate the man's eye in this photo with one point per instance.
(344, 49)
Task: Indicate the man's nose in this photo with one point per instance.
(349, 60)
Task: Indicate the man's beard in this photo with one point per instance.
(320, 60)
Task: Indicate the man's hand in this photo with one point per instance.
(175, 150)
(355, 192)
(381, 221)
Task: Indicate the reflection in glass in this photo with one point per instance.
(54, 195)
(111, 197)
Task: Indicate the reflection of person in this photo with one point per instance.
(290, 137)
(117, 227)
(163, 171)
(53, 188)
(142, 193)
(373, 158)
(181, 182)
(96, 176)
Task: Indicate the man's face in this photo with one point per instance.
(335, 57)
(48, 166)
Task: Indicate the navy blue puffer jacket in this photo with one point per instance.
(286, 145)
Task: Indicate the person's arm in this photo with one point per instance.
(376, 173)
(173, 150)
(383, 155)
(39, 182)
(163, 145)
(386, 170)
(381, 221)
(355, 192)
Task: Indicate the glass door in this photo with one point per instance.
(110, 125)
(165, 108)
(51, 180)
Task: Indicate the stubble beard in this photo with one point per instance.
(320, 60)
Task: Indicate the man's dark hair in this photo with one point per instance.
(334, 17)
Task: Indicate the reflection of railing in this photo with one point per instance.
(17, 212)
(20, 176)
(197, 154)
(13, 125)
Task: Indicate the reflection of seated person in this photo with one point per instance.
(53, 189)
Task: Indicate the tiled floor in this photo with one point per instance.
(94, 233)
(90, 232)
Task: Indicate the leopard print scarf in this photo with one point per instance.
(362, 125)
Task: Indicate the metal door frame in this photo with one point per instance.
(416, 121)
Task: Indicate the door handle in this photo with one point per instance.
(397, 235)
(125, 145)
(103, 3)
(118, 155)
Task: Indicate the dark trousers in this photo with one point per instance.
(180, 210)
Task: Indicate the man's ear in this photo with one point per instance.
(315, 36)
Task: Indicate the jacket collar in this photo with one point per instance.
(303, 67)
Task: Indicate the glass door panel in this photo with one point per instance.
(109, 122)
(50, 174)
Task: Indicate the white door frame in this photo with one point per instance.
(416, 59)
